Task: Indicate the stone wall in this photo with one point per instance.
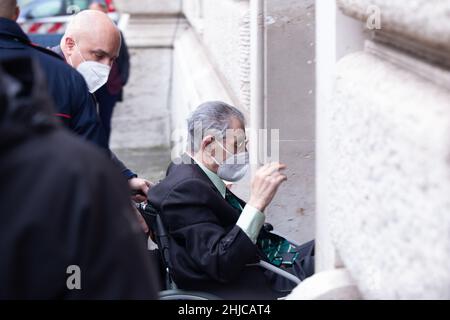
(387, 167)
(149, 27)
(149, 7)
(424, 21)
(223, 28)
(142, 119)
(390, 179)
(226, 36)
(290, 108)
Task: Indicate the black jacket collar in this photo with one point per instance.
(184, 160)
(11, 29)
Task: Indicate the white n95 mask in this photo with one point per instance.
(95, 74)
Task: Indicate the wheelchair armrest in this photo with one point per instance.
(267, 266)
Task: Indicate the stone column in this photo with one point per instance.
(336, 36)
(386, 168)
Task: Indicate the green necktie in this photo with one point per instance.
(233, 201)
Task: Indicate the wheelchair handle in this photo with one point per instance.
(153, 219)
(146, 209)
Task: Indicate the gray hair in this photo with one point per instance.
(212, 118)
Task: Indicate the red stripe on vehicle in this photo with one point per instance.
(62, 115)
(55, 27)
(35, 27)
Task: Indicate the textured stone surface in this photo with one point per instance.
(193, 11)
(142, 120)
(290, 108)
(292, 211)
(146, 7)
(226, 36)
(329, 285)
(148, 163)
(389, 179)
(426, 21)
(145, 32)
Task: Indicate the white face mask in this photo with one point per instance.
(235, 167)
(94, 73)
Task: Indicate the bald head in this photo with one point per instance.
(9, 9)
(91, 35)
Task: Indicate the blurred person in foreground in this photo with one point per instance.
(66, 226)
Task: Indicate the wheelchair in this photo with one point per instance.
(161, 239)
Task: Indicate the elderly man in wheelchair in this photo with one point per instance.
(211, 241)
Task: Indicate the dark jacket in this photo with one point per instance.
(75, 107)
(208, 251)
(104, 141)
(62, 203)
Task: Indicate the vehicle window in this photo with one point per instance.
(45, 9)
(22, 3)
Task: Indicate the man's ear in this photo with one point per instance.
(207, 142)
(16, 13)
(69, 44)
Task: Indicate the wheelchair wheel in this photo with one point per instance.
(186, 295)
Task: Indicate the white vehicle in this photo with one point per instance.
(45, 21)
